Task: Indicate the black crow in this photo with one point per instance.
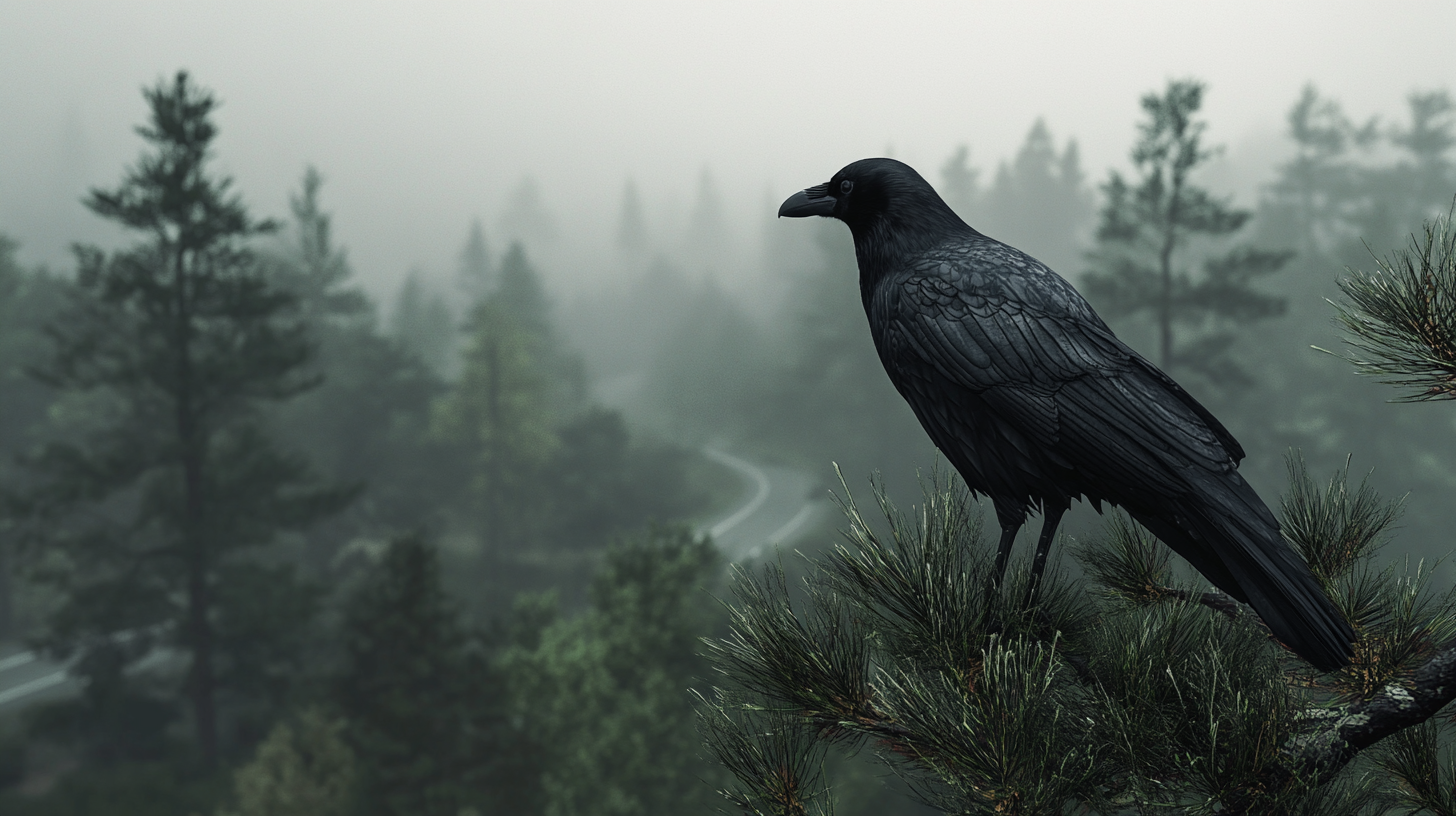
(1035, 401)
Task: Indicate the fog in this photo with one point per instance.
(424, 117)
(453, 463)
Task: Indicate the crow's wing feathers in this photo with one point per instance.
(1030, 347)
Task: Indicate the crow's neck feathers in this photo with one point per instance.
(907, 222)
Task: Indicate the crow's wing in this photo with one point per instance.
(1017, 335)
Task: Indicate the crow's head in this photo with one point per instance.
(884, 202)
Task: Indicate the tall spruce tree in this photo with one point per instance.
(426, 712)
(28, 300)
(1039, 201)
(1153, 232)
(504, 407)
(143, 513)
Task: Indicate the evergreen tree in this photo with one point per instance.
(1320, 183)
(166, 478)
(958, 184)
(504, 409)
(1152, 232)
(424, 326)
(303, 768)
(425, 711)
(368, 423)
(1039, 202)
(1422, 181)
(311, 267)
(607, 691)
(28, 300)
(476, 274)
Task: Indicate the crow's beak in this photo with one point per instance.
(814, 201)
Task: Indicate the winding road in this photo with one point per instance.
(784, 504)
(781, 505)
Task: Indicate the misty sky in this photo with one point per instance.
(423, 115)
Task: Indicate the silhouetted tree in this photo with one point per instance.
(504, 409)
(1039, 201)
(424, 326)
(166, 476)
(367, 424)
(28, 300)
(1151, 234)
(476, 271)
(959, 184)
(425, 712)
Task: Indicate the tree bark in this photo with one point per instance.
(191, 441)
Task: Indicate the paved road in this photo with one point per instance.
(26, 677)
(782, 504)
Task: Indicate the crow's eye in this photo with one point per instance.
(845, 186)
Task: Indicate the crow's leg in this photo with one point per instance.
(1003, 553)
(1051, 517)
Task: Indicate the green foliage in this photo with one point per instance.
(1151, 232)
(504, 408)
(367, 423)
(162, 476)
(1137, 693)
(1401, 319)
(1424, 783)
(131, 789)
(421, 704)
(606, 692)
(303, 768)
(1315, 517)
(28, 300)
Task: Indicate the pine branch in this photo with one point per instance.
(1402, 317)
(1338, 733)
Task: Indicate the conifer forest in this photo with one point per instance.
(614, 511)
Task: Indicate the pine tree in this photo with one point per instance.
(166, 476)
(367, 424)
(424, 326)
(476, 272)
(1134, 690)
(311, 267)
(506, 404)
(607, 692)
(426, 713)
(959, 184)
(1321, 182)
(1039, 201)
(1151, 234)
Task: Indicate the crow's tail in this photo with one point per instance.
(1227, 533)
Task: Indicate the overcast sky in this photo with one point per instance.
(425, 115)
